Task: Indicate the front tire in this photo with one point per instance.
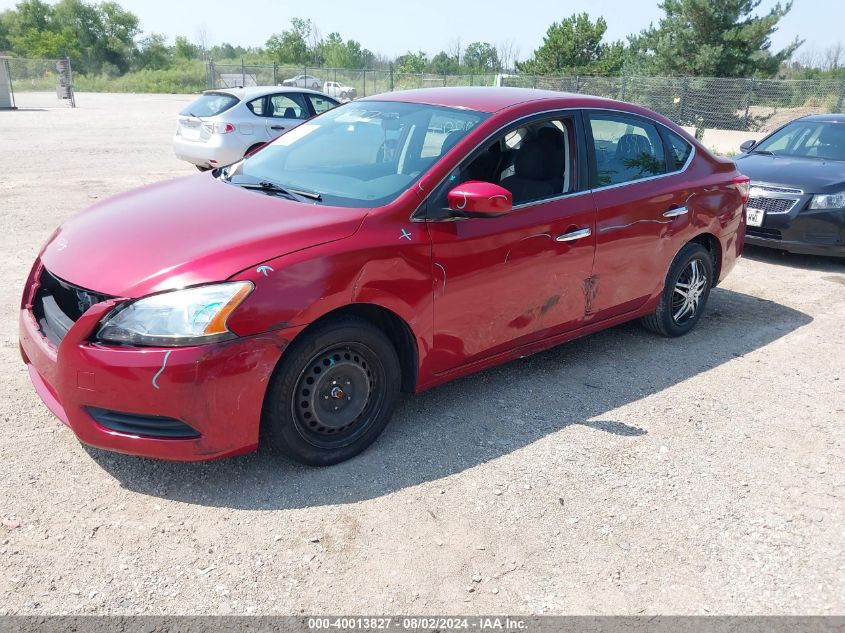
(685, 294)
(332, 393)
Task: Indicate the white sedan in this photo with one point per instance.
(223, 126)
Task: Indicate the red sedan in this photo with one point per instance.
(391, 244)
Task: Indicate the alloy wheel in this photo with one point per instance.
(686, 296)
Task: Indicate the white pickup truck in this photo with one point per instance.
(339, 91)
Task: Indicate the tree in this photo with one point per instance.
(481, 57)
(153, 53)
(185, 50)
(444, 64)
(715, 38)
(291, 46)
(339, 54)
(575, 45)
(412, 63)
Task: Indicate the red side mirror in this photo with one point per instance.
(477, 199)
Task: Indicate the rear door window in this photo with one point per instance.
(627, 148)
(210, 104)
(290, 105)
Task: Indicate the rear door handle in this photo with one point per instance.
(673, 213)
(574, 235)
(277, 127)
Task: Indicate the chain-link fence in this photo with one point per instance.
(706, 102)
(40, 83)
(336, 81)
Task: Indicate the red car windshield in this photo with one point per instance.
(363, 154)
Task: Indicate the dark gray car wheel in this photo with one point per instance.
(332, 393)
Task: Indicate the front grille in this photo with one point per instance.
(144, 425)
(759, 231)
(774, 189)
(58, 305)
(772, 205)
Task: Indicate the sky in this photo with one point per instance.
(393, 27)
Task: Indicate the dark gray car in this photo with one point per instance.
(797, 197)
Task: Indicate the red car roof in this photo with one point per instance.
(484, 99)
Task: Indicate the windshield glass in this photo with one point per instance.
(363, 154)
(810, 139)
(210, 104)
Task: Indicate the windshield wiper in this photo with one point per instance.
(271, 187)
(765, 152)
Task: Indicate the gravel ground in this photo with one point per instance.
(621, 473)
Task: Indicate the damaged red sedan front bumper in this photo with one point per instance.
(187, 403)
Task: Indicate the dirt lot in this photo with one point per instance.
(621, 473)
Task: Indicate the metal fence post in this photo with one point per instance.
(535, 81)
(748, 100)
(243, 73)
(275, 79)
(392, 88)
(841, 98)
(622, 88)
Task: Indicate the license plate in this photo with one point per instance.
(190, 133)
(755, 216)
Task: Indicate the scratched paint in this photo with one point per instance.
(551, 302)
(161, 371)
(264, 270)
(591, 290)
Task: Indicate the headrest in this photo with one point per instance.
(532, 160)
(832, 134)
(632, 146)
(450, 141)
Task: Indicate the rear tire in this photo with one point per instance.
(315, 86)
(201, 168)
(332, 393)
(685, 294)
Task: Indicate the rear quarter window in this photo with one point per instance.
(680, 150)
(210, 104)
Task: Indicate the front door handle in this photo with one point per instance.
(574, 235)
(673, 213)
(277, 127)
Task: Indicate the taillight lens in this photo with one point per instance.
(743, 185)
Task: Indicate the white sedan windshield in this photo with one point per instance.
(363, 154)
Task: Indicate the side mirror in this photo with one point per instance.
(477, 199)
(747, 146)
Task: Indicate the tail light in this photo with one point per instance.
(743, 185)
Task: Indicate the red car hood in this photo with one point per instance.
(184, 232)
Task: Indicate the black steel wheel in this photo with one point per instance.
(332, 393)
(685, 293)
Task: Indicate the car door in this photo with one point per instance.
(636, 205)
(285, 111)
(501, 282)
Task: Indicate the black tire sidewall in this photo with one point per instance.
(682, 260)
(278, 424)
